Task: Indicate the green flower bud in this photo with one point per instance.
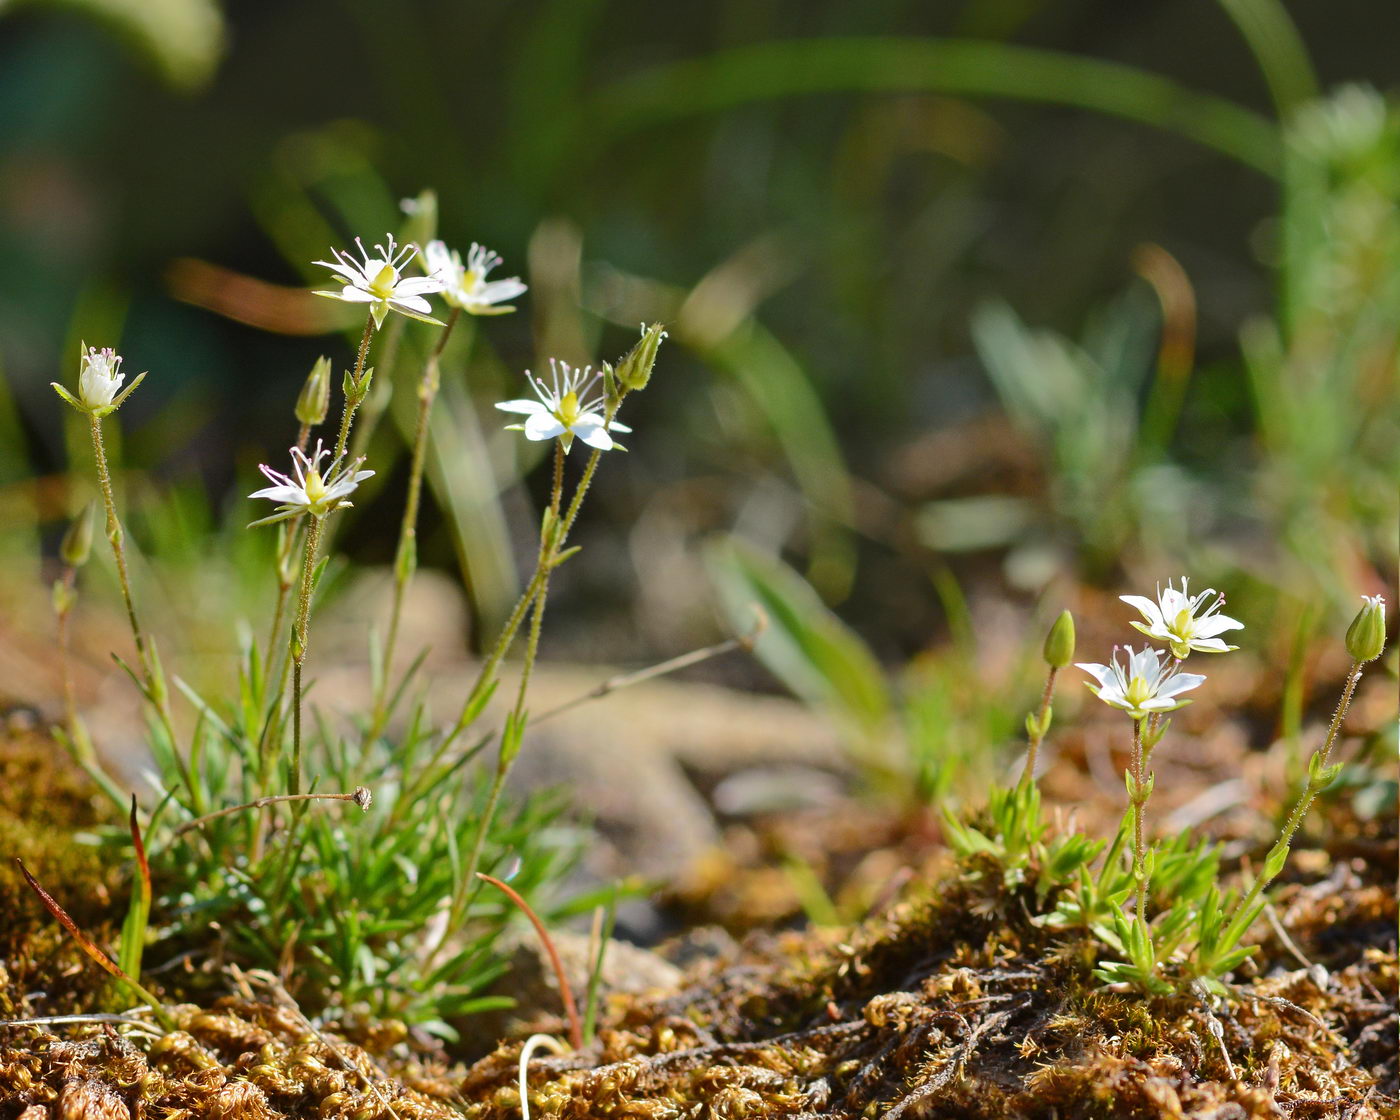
(634, 371)
(1059, 643)
(314, 400)
(77, 541)
(1366, 634)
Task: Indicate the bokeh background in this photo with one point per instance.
(970, 303)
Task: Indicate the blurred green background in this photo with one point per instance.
(968, 300)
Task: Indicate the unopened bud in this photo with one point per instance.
(634, 371)
(315, 399)
(1059, 643)
(77, 541)
(1366, 634)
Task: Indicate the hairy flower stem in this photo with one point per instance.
(551, 541)
(1318, 780)
(285, 549)
(298, 645)
(1036, 737)
(1139, 801)
(406, 555)
(154, 685)
(347, 417)
(273, 722)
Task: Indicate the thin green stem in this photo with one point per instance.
(155, 688)
(1139, 800)
(299, 645)
(406, 555)
(1036, 737)
(1273, 862)
(347, 415)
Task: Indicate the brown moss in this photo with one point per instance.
(44, 799)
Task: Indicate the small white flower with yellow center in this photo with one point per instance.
(565, 410)
(1184, 621)
(99, 377)
(1142, 685)
(378, 280)
(465, 285)
(308, 490)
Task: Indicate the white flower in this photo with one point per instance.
(1184, 621)
(100, 377)
(466, 286)
(564, 409)
(309, 491)
(1142, 685)
(378, 281)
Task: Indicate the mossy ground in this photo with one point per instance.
(952, 1005)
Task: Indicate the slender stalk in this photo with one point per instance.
(274, 710)
(299, 641)
(1273, 862)
(285, 548)
(566, 992)
(154, 687)
(1036, 737)
(406, 555)
(347, 416)
(70, 695)
(361, 797)
(1139, 800)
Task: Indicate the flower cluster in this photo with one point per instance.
(1144, 684)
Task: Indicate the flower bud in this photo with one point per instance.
(1059, 643)
(634, 371)
(77, 541)
(1366, 634)
(314, 400)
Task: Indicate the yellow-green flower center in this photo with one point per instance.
(568, 411)
(383, 283)
(1183, 625)
(315, 489)
(1137, 693)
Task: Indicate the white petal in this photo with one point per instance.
(1211, 645)
(1214, 624)
(543, 425)
(498, 290)
(616, 427)
(348, 271)
(417, 285)
(286, 495)
(411, 303)
(1101, 673)
(352, 294)
(594, 436)
(526, 407)
(1182, 682)
(1147, 607)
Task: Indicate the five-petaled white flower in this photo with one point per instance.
(309, 491)
(378, 281)
(466, 286)
(565, 410)
(1141, 686)
(1185, 621)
